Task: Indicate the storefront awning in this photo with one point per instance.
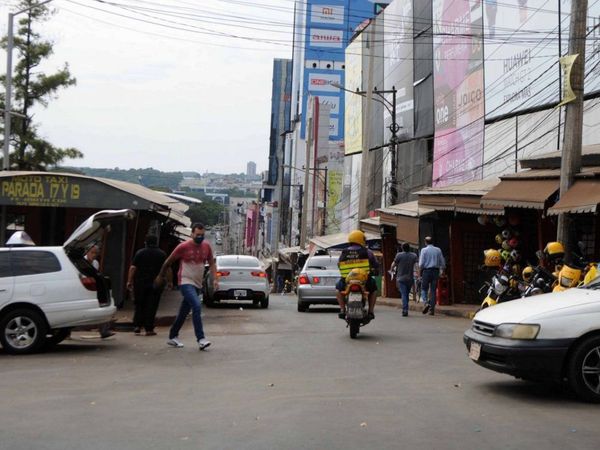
(405, 218)
(583, 197)
(370, 225)
(463, 198)
(521, 192)
(339, 240)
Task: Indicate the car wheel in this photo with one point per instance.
(583, 370)
(22, 331)
(264, 303)
(55, 337)
(302, 307)
(255, 302)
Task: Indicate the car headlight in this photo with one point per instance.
(517, 331)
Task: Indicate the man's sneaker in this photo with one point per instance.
(426, 309)
(175, 343)
(342, 315)
(203, 343)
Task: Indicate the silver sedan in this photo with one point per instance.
(317, 280)
(240, 278)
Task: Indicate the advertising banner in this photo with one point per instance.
(353, 139)
(592, 47)
(329, 14)
(326, 38)
(521, 55)
(458, 91)
(398, 64)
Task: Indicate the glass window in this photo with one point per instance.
(28, 262)
(230, 261)
(322, 263)
(5, 265)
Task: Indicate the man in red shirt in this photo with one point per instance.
(193, 255)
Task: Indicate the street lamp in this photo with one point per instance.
(393, 127)
(7, 101)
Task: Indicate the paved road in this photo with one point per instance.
(279, 379)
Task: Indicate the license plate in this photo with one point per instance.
(240, 293)
(474, 351)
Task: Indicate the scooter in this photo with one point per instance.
(538, 279)
(357, 300)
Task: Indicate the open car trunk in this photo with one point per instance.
(91, 232)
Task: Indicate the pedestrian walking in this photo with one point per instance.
(192, 255)
(431, 263)
(144, 268)
(403, 269)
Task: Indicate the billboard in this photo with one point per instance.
(353, 121)
(521, 68)
(329, 26)
(398, 65)
(458, 91)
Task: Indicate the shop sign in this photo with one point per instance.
(65, 191)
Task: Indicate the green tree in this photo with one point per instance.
(208, 213)
(32, 87)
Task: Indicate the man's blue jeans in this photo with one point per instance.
(191, 301)
(429, 278)
(404, 287)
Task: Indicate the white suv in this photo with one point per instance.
(46, 291)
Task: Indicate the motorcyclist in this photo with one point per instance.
(357, 256)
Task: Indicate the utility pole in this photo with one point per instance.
(303, 228)
(394, 128)
(571, 151)
(364, 168)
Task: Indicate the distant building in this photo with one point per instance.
(251, 170)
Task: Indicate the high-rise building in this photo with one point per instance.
(251, 170)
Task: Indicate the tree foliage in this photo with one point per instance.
(32, 87)
(208, 213)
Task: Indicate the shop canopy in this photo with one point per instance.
(530, 189)
(405, 217)
(464, 198)
(68, 190)
(370, 225)
(583, 197)
(340, 240)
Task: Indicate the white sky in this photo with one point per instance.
(144, 100)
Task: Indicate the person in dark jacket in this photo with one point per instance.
(146, 265)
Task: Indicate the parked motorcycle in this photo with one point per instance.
(504, 285)
(538, 279)
(357, 300)
(576, 272)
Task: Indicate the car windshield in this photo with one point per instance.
(322, 263)
(229, 261)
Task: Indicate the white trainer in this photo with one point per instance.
(203, 343)
(175, 343)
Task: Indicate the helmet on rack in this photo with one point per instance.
(357, 237)
(492, 258)
(499, 239)
(527, 273)
(554, 250)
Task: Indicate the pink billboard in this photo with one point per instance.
(458, 91)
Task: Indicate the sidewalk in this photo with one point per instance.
(464, 311)
(170, 301)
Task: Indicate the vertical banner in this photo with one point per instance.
(458, 91)
(566, 62)
(353, 119)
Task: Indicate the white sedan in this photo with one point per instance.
(554, 336)
(240, 278)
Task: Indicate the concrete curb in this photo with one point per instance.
(463, 311)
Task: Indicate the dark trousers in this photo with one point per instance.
(146, 305)
(429, 279)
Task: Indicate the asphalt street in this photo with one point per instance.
(279, 379)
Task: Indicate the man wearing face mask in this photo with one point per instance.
(193, 255)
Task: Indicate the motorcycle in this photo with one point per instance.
(503, 287)
(538, 279)
(356, 298)
(577, 272)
